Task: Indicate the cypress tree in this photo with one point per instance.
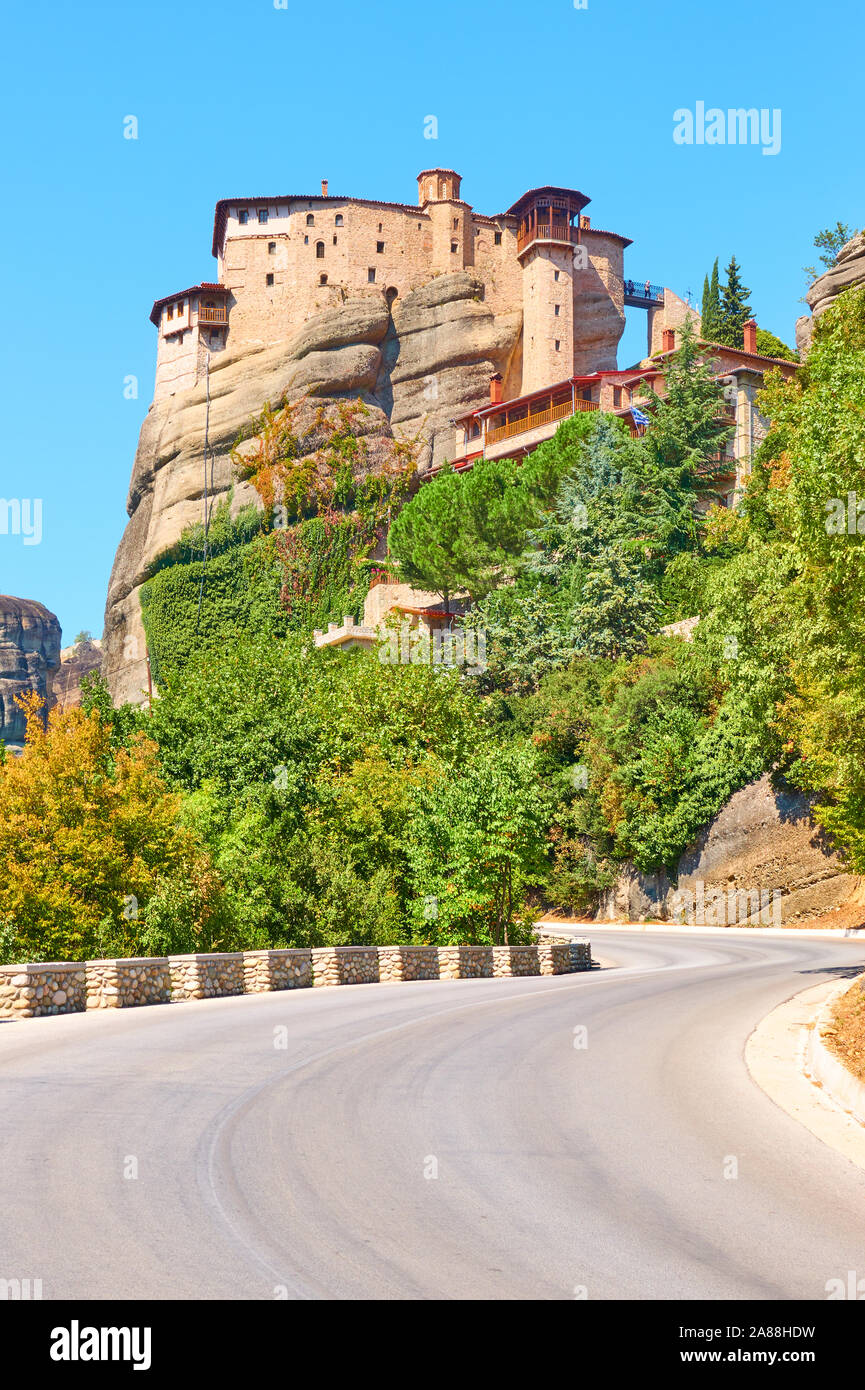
(711, 315)
(735, 309)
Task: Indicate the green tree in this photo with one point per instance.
(617, 608)
(679, 454)
(428, 537)
(829, 241)
(771, 346)
(89, 835)
(735, 309)
(711, 307)
(477, 847)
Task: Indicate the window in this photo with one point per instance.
(306, 241)
(262, 214)
(555, 275)
(243, 217)
(268, 279)
(319, 250)
(271, 248)
(370, 275)
(170, 312)
(557, 345)
(379, 246)
(617, 397)
(379, 226)
(322, 279)
(456, 224)
(557, 310)
(338, 220)
(453, 246)
(498, 238)
(334, 238)
(310, 220)
(180, 306)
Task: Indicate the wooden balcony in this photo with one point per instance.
(548, 231)
(538, 418)
(210, 314)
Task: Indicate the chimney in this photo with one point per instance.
(495, 389)
(750, 334)
(324, 188)
(668, 340)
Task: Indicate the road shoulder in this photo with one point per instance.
(777, 1055)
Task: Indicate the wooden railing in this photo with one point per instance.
(208, 314)
(540, 417)
(547, 231)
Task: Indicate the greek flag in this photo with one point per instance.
(638, 417)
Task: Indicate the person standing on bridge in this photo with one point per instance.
(648, 290)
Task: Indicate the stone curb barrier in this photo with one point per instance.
(62, 987)
(823, 1067)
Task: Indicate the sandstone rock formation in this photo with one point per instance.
(849, 269)
(76, 662)
(762, 840)
(415, 362)
(29, 656)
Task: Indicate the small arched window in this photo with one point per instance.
(322, 279)
(338, 219)
(310, 220)
(319, 250)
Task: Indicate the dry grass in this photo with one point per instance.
(845, 1036)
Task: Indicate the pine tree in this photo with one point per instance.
(735, 309)
(426, 537)
(677, 458)
(618, 609)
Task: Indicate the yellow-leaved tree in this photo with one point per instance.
(94, 854)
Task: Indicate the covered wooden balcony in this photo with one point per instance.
(549, 215)
(212, 313)
(544, 411)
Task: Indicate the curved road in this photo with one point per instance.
(285, 1143)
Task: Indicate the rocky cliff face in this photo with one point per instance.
(416, 363)
(75, 663)
(762, 840)
(29, 656)
(848, 270)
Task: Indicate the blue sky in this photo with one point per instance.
(243, 98)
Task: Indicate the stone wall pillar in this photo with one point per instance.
(124, 984)
(51, 987)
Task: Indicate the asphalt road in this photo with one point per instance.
(285, 1144)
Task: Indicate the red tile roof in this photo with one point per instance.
(550, 190)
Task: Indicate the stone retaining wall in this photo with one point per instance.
(466, 962)
(345, 965)
(580, 954)
(408, 963)
(515, 960)
(554, 957)
(207, 976)
(55, 987)
(124, 984)
(63, 987)
(268, 970)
